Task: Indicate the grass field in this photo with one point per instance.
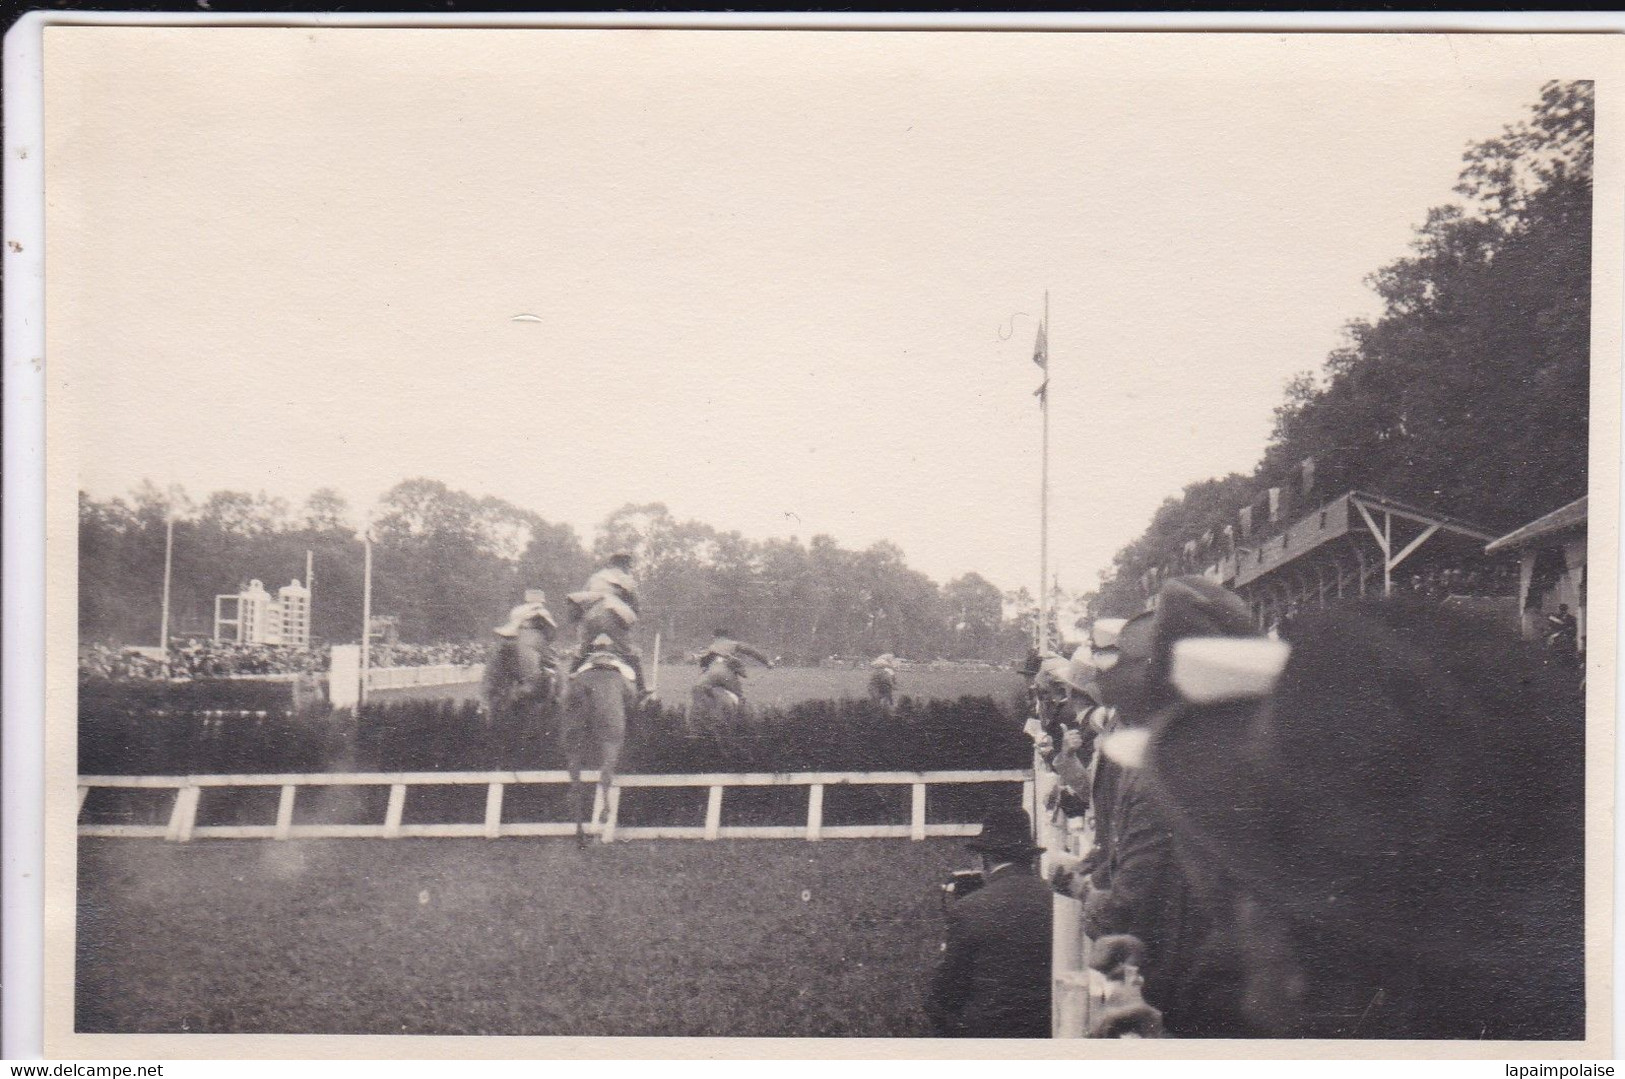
(513, 936)
(783, 686)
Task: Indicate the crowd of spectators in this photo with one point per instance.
(1372, 827)
(456, 654)
(1441, 583)
(202, 658)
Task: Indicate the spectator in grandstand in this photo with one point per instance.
(1134, 882)
(1563, 636)
(1388, 823)
(994, 978)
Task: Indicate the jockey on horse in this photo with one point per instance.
(519, 682)
(883, 680)
(608, 608)
(722, 663)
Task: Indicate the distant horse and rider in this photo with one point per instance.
(883, 682)
(719, 695)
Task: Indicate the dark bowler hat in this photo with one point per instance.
(1006, 833)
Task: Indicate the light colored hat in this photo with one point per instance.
(522, 614)
(885, 659)
(1103, 633)
(1080, 671)
(1052, 671)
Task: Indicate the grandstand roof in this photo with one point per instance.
(1562, 519)
(1342, 516)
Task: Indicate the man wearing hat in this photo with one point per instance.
(994, 978)
(1133, 883)
(1393, 815)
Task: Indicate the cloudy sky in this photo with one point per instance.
(784, 283)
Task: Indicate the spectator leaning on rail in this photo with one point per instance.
(1387, 813)
(1136, 884)
(994, 978)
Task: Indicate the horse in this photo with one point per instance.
(713, 700)
(598, 698)
(518, 692)
(882, 684)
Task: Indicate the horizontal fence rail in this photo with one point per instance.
(182, 825)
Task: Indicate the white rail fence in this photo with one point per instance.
(183, 827)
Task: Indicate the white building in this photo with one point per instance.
(253, 616)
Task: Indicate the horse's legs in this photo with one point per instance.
(578, 796)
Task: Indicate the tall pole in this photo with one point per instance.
(1043, 498)
(366, 610)
(169, 556)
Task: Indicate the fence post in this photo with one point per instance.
(284, 811)
(815, 811)
(918, 823)
(184, 816)
(713, 812)
(493, 811)
(392, 816)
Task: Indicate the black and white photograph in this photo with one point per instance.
(965, 539)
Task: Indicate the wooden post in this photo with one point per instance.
(392, 817)
(713, 812)
(597, 803)
(815, 811)
(493, 810)
(918, 822)
(184, 816)
(284, 811)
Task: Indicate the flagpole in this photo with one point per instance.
(1043, 498)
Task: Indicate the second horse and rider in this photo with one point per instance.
(603, 612)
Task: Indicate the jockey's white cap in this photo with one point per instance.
(885, 659)
(522, 614)
(603, 640)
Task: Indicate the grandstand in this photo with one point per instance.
(1359, 544)
(1552, 566)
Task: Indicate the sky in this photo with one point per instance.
(786, 284)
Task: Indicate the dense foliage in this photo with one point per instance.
(124, 729)
(448, 565)
(1468, 394)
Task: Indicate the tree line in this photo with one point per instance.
(1467, 395)
(448, 565)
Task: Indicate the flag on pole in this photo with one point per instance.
(1041, 358)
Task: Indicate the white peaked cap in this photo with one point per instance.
(1103, 633)
(1207, 670)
